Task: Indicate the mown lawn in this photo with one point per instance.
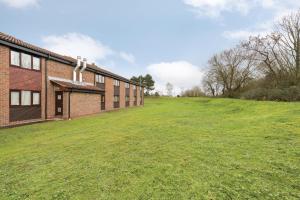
(171, 149)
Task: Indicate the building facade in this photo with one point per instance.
(38, 85)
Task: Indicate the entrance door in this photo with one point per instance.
(58, 103)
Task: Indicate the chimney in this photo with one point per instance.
(82, 70)
(76, 68)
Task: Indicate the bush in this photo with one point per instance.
(273, 94)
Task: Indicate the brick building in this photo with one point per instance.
(37, 85)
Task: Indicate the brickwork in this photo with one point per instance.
(84, 104)
(138, 95)
(122, 94)
(109, 93)
(4, 86)
(131, 98)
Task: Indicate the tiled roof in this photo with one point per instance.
(13, 40)
(72, 86)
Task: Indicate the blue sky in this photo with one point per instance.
(170, 39)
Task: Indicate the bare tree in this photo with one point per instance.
(211, 85)
(169, 88)
(231, 70)
(278, 53)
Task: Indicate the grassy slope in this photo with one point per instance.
(171, 149)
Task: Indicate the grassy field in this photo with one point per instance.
(171, 149)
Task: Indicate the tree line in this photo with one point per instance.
(262, 67)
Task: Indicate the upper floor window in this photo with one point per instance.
(15, 58)
(24, 60)
(100, 79)
(36, 63)
(127, 85)
(116, 83)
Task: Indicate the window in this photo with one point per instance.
(15, 58)
(116, 83)
(36, 63)
(127, 85)
(25, 98)
(102, 99)
(116, 98)
(35, 98)
(127, 98)
(26, 60)
(14, 98)
(100, 78)
(134, 87)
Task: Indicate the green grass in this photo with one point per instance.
(194, 148)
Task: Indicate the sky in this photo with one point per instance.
(170, 39)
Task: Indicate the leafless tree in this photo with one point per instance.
(278, 53)
(211, 85)
(231, 70)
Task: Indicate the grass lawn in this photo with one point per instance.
(194, 148)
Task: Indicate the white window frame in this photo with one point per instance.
(100, 78)
(116, 98)
(12, 53)
(17, 101)
(116, 83)
(23, 92)
(36, 67)
(23, 55)
(33, 98)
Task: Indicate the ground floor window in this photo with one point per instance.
(25, 98)
(116, 101)
(14, 98)
(116, 98)
(24, 105)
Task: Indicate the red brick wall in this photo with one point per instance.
(84, 104)
(109, 93)
(4, 86)
(24, 79)
(59, 70)
(138, 95)
(131, 95)
(122, 94)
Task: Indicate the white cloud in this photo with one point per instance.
(128, 57)
(181, 74)
(214, 8)
(20, 3)
(277, 7)
(76, 44)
